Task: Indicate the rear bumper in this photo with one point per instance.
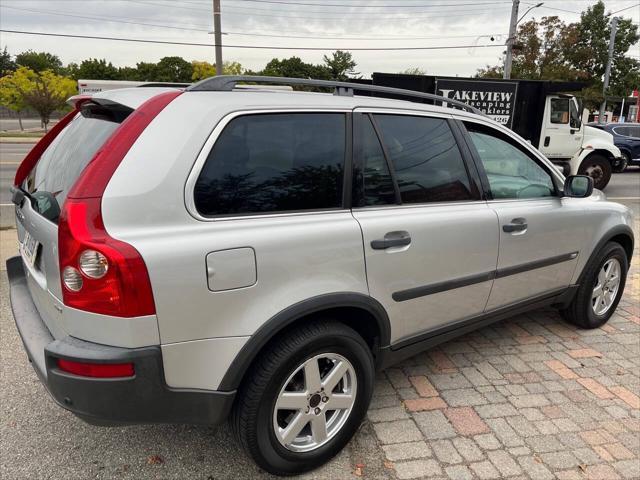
(142, 398)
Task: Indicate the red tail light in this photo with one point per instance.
(97, 370)
(125, 289)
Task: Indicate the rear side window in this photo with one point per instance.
(62, 162)
(274, 163)
(374, 182)
(427, 163)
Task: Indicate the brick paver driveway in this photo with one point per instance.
(530, 397)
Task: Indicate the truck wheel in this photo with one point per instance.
(601, 288)
(622, 163)
(305, 397)
(598, 168)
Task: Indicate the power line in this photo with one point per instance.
(248, 34)
(370, 5)
(258, 47)
(251, 13)
(626, 8)
(110, 19)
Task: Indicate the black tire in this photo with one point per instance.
(252, 418)
(622, 163)
(597, 167)
(580, 311)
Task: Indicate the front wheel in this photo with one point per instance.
(600, 289)
(597, 167)
(305, 398)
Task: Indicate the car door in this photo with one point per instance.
(562, 135)
(430, 241)
(541, 233)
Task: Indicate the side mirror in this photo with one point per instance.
(578, 186)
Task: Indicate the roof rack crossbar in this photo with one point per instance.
(226, 83)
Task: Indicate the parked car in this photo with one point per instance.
(188, 256)
(626, 137)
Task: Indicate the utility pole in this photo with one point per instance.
(607, 73)
(217, 30)
(508, 60)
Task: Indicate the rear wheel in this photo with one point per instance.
(305, 398)
(601, 288)
(597, 167)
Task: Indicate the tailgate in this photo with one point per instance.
(46, 188)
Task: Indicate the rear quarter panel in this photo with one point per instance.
(297, 255)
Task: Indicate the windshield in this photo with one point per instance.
(62, 162)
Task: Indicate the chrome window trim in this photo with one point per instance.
(399, 111)
(192, 178)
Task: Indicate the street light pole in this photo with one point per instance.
(217, 30)
(607, 73)
(513, 24)
(508, 60)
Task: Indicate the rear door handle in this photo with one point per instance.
(392, 239)
(516, 225)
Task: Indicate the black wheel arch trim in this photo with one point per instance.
(287, 317)
(607, 237)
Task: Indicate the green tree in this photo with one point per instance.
(39, 61)
(146, 72)
(203, 70)
(44, 91)
(7, 65)
(588, 45)
(341, 65)
(96, 69)
(173, 69)
(13, 86)
(296, 68)
(552, 50)
(128, 73)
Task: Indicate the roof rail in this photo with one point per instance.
(226, 83)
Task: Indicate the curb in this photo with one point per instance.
(20, 139)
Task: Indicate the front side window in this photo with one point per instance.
(559, 110)
(274, 163)
(512, 173)
(427, 163)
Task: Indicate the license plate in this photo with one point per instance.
(29, 248)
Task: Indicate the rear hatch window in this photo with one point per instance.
(61, 164)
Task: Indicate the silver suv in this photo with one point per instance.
(192, 255)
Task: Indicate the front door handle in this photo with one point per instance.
(392, 239)
(516, 225)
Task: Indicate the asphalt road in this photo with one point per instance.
(40, 440)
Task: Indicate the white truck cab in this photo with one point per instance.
(573, 146)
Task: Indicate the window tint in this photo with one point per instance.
(62, 162)
(635, 131)
(511, 172)
(426, 159)
(274, 162)
(375, 182)
(559, 110)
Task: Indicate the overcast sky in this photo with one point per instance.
(351, 24)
